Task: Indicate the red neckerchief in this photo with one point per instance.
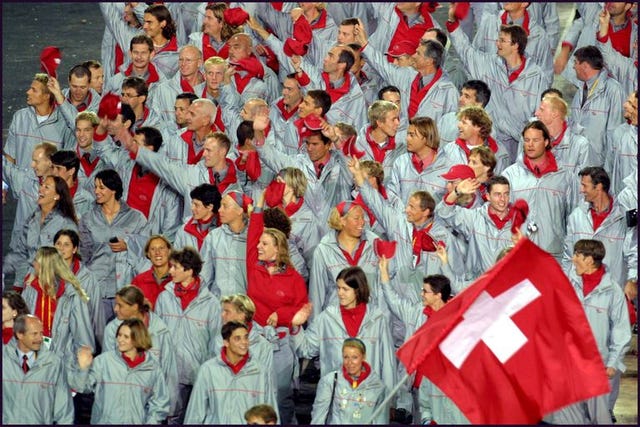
(143, 187)
(419, 164)
(417, 95)
(286, 115)
(500, 223)
(7, 333)
(352, 318)
(549, 165)
(186, 86)
(591, 280)
(171, 46)
(490, 142)
(208, 50)
(87, 166)
(483, 192)
(422, 241)
(525, 21)
(75, 265)
(620, 39)
(192, 228)
(238, 366)
(192, 157)
(118, 58)
(428, 311)
(187, 295)
(251, 166)
(145, 116)
(369, 212)
(404, 32)
(353, 261)
(599, 217)
(323, 162)
(349, 148)
(153, 73)
(253, 67)
(513, 76)
(218, 120)
(379, 152)
(229, 178)
(321, 22)
(73, 189)
(140, 357)
(558, 140)
(293, 207)
(46, 305)
(338, 92)
(84, 104)
(366, 370)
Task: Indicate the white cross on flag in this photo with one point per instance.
(514, 346)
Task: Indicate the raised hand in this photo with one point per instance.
(85, 357)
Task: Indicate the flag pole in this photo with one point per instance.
(386, 401)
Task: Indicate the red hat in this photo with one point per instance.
(273, 193)
(403, 47)
(384, 248)
(294, 47)
(50, 59)
(235, 16)
(310, 123)
(344, 207)
(459, 172)
(110, 106)
(520, 211)
(241, 199)
(251, 65)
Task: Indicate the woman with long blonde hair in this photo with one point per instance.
(54, 294)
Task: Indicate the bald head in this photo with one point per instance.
(239, 47)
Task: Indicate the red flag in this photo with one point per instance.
(514, 346)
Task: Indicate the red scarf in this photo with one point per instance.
(142, 190)
(379, 152)
(500, 223)
(366, 370)
(253, 67)
(287, 114)
(422, 241)
(251, 166)
(186, 86)
(338, 92)
(352, 318)
(86, 165)
(591, 280)
(599, 217)
(46, 305)
(75, 265)
(238, 366)
(513, 76)
(132, 363)
(560, 137)
(7, 333)
(229, 178)
(525, 21)
(171, 46)
(490, 142)
(293, 207)
(353, 261)
(620, 40)
(321, 22)
(548, 166)
(417, 95)
(186, 295)
(208, 50)
(118, 58)
(419, 164)
(191, 227)
(404, 32)
(153, 73)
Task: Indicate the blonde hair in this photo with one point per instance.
(295, 179)
(335, 217)
(242, 303)
(53, 267)
(378, 111)
(281, 242)
(557, 104)
(214, 60)
(427, 129)
(44, 79)
(89, 116)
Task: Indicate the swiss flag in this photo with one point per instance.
(514, 346)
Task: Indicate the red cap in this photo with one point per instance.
(110, 106)
(459, 172)
(520, 212)
(403, 47)
(50, 59)
(241, 199)
(384, 248)
(311, 123)
(294, 47)
(235, 16)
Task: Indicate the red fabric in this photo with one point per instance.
(191, 227)
(294, 47)
(238, 366)
(271, 59)
(621, 40)
(192, 157)
(293, 207)
(118, 58)
(321, 22)
(85, 164)
(140, 357)
(230, 177)
(253, 67)
(302, 30)
(417, 95)
(338, 92)
(46, 306)
(50, 59)
(517, 214)
(422, 241)
(110, 106)
(153, 73)
(141, 190)
(525, 21)
(186, 86)
(186, 295)
(379, 153)
(284, 292)
(235, 16)
(490, 142)
(385, 248)
(353, 261)
(591, 280)
(599, 217)
(548, 166)
(404, 32)
(513, 76)
(462, 10)
(367, 209)
(251, 166)
(286, 115)
(352, 318)
(303, 79)
(557, 354)
(366, 371)
(208, 50)
(171, 46)
(7, 333)
(146, 281)
(218, 120)
(560, 137)
(273, 193)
